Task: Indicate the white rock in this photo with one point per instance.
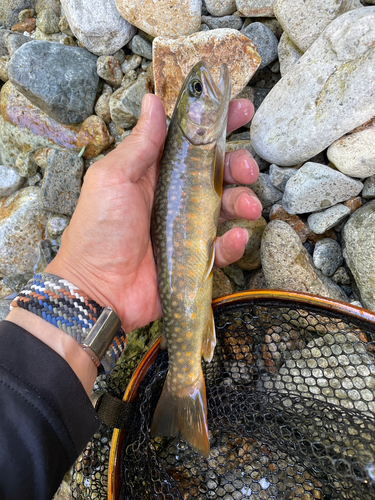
(317, 186)
(320, 222)
(166, 18)
(354, 154)
(10, 181)
(255, 8)
(304, 20)
(221, 7)
(288, 54)
(98, 25)
(325, 95)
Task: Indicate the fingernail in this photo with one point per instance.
(146, 103)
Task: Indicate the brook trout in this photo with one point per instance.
(184, 222)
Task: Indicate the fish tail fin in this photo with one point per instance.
(185, 414)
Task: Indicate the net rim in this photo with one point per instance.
(330, 305)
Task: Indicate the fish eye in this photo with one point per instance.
(195, 88)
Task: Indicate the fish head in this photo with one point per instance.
(202, 105)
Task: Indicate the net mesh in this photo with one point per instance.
(290, 394)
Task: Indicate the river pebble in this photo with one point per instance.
(369, 188)
(109, 69)
(221, 7)
(319, 222)
(141, 47)
(327, 256)
(265, 41)
(288, 54)
(10, 181)
(279, 176)
(48, 21)
(234, 22)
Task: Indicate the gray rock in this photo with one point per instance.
(56, 225)
(10, 181)
(265, 41)
(266, 191)
(256, 280)
(48, 4)
(234, 22)
(288, 266)
(9, 10)
(66, 83)
(102, 104)
(4, 61)
(98, 25)
(131, 62)
(271, 23)
(14, 41)
(358, 243)
(316, 186)
(304, 20)
(320, 222)
(4, 308)
(369, 188)
(236, 275)
(62, 181)
(204, 27)
(120, 56)
(221, 7)
(48, 21)
(288, 54)
(341, 276)
(255, 8)
(22, 226)
(328, 93)
(141, 47)
(109, 69)
(327, 256)
(279, 176)
(3, 47)
(125, 104)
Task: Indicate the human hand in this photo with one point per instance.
(106, 250)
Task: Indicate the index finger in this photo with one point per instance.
(240, 112)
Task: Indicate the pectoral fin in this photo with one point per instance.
(211, 261)
(209, 339)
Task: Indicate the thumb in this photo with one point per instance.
(141, 149)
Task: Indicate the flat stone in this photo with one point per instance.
(221, 7)
(221, 284)
(288, 266)
(321, 221)
(66, 83)
(22, 226)
(109, 69)
(246, 144)
(14, 41)
(56, 225)
(48, 4)
(353, 204)
(266, 191)
(24, 127)
(94, 137)
(280, 175)
(125, 104)
(255, 8)
(288, 54)
(102, 104)
(9, 10)
(327, 256)
(369, 188)
(233, 22)
(141, 47)
(98, 25)
(167, 18)
(316, 186)
(354, 154)
(174, 58)
(304, 20)
(358, 244)
(265, 41)
(130, 63)
(62, 180)
(26, 25)
(325, 95)
(251, 257)
(10, 181)
(48, 21)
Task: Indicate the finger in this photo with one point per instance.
(240, 203)
(240, 112)
(240, 168)
(230, 247)
(141, 149)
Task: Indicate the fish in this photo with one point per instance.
(184, 223)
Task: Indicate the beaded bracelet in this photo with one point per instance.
(65, 306)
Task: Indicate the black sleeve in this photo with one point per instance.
(46, 417)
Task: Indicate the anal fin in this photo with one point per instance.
(209, 339)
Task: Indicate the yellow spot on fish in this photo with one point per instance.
(183, 324)
(191, 362)
(177, 329)
(184, 369)
(188, 353)
(176, 315)
(188, 335)
(179, 375)
(191, 274)
(188, 243)
(191, 295)
(174, 303)
(176, 244)
(180, 267)
(179, 339)
(199, 231)
(193, 315)
(179, 296)
(191, 375)
(181, 360)
(191, 259)
(190, 216)
(179, 274)
(181, 283)
(184, 346)
(178, 353)
(195, 200)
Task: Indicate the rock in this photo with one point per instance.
(109, 69)
(26, 14)
(48, 21)
(325, 95)
(354, 154)
(167, 18)
(341, 277)
(256, 96)
(4, 61)
(94, 137)
(251, 257)
(273, 24)
(25, 164)
(204, 27)
(131, 62)
(233, 22)
(221, 7)
(98, 25)
(3, 47)
(369, 188)
(22, 225)
(24, 127)
(26, 25)
(327, 256)
(102, 104)
(53, 37)
(234, 145)
(265, 41)
(125, 104)
(321, 221)
(4, 309)
(174, 58)
(358, 243)
(256, 280)
(9, 10)
(67, 80)
(266, 191)
(277, 212)
(235, 274)
(280, 176)
(56, 225)
(304, 20)
(316, 186)
(14, 41)
(141, 47)
(221, 284)
(288, 54)
(62, 180)
(353, 204)
(48, 4)
(120, 56)
(255, 8)
(10, 181)
(64, 26)
(288, 266)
